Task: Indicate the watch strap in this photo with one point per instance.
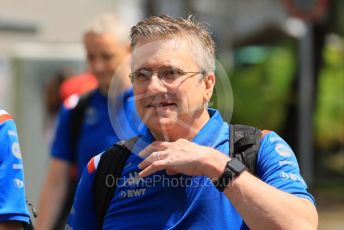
(233, 168)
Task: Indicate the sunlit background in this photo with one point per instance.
(284, 59)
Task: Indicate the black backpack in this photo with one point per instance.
(244, 145)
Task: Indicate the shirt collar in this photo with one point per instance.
(206, 136)
(98, 94)
(210, 131)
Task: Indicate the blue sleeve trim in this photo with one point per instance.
(307, 196)
(14, 217)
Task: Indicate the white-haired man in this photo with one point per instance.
(166, 176)
(84, 128)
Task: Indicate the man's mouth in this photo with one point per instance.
(161, 105)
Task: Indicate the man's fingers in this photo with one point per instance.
(146, 151)
(153, 168)
(155, 146)
(171, 172)
(149, 160)
(155, 156)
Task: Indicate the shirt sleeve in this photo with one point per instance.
(12, 192)
(61, 146)
(83, 214)
(278, 166)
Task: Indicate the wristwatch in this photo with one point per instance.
(233, 168)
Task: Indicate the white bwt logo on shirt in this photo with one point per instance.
(16, 150)
(283, 150)
(91, 116)
(132, 193)
(18, 183)
(291, 176)
(132, 180)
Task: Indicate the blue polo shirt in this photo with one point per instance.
(12, 192)
(98, 131)
(161, 201)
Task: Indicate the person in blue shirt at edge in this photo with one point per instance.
(167, 182)
(106, 40)
(13, 210)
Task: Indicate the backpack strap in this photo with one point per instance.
(109, 169)
(77, 118)
(244, 145)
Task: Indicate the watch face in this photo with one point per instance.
(236, 166)
(233, 168)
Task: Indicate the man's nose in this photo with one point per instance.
(156, 85)
(97, 65)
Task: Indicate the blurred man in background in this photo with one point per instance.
(61, 86)
(84, 127)
(13, 209)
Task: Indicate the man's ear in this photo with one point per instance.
(128, 47)
(209, 81)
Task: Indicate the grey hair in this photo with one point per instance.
(164, 26)
(108, 23)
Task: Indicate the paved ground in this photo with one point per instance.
(331, 219)
(330, 205)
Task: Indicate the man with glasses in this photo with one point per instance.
(179, 174)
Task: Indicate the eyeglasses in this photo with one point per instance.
(169, 76)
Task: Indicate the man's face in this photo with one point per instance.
(167, 107)
(104, 54)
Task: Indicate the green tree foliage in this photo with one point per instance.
(262, 85)
(329, 115)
